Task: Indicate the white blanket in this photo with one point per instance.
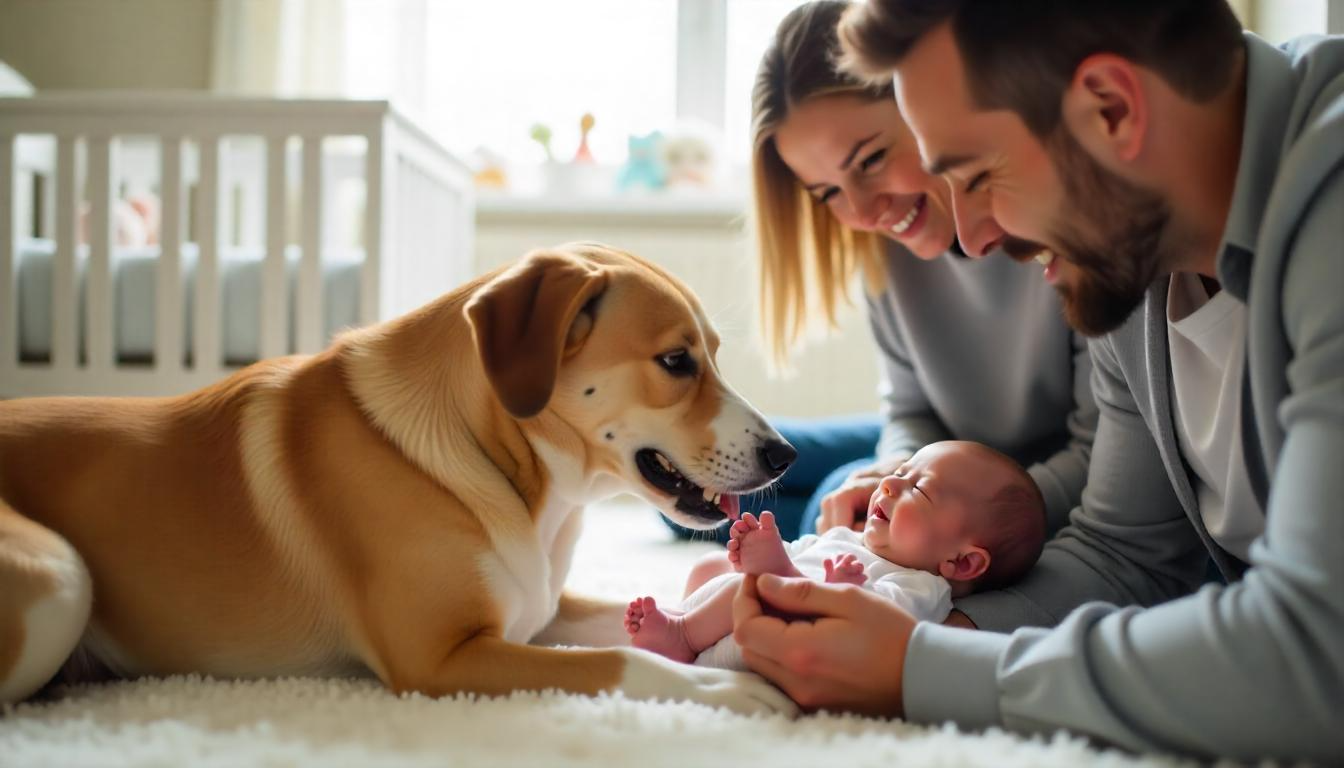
(189, 721)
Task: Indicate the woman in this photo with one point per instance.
(972, 349)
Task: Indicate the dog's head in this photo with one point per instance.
(616, 351)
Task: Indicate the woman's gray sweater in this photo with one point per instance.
(977, 349)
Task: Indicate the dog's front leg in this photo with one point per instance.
(489, 665)
(586, 621)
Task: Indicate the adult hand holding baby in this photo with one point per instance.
(847, 505)
(845, 652)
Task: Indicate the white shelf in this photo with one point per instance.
(707, 208)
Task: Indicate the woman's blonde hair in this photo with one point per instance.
(806, 257)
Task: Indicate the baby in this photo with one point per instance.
(958, 516)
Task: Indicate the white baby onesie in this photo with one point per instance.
(925, 596)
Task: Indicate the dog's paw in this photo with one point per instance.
(652, 677)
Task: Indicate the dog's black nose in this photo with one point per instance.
(776, 456)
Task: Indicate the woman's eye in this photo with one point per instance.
(828, 195)
(678, 362)
(976, 181)
(872, 160)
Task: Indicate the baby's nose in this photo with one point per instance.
(890, 485)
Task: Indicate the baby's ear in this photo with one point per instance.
(969, 565)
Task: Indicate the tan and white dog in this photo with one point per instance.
(406, 502)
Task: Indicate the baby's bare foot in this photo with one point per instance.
(755, 546)
(657, 630)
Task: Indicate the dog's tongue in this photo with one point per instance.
(730, 506)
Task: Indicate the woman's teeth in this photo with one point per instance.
(1045, 258)
(901, 226)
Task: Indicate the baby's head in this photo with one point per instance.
(961, 510)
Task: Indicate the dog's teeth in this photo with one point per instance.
(663, 461)
(710, 495)
(717, 496)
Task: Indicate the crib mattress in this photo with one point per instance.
(134, 281)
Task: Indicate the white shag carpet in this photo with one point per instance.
(190, 721)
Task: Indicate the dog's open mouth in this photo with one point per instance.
(692, 499)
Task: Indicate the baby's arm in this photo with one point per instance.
(845, 569)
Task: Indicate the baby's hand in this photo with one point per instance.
(845, 570)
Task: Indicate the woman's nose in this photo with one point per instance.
(869, 208)
(977, 230)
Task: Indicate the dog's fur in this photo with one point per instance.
(405, 502)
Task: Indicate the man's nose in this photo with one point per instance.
(977, 230)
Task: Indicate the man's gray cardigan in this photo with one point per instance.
(1249, 669)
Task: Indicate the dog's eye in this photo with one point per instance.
(678, 362)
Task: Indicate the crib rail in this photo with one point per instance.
(418, 222)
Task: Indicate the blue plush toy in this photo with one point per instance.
(644, 168)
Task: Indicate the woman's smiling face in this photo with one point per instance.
(857, 155)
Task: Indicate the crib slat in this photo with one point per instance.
(9, 300)
(97, 282)
(308, 309)
(273, 294)
(168, 286)
(376, 157)
(206, 317)
(64, 307)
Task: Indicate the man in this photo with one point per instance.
(1183, 185)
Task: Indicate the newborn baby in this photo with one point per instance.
(958, 516)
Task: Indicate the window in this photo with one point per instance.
(481, 73)
(751, 26)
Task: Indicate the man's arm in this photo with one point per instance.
(1247, 671)
(1129, 543)
(1062, 476)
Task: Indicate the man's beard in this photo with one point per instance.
(1112, 236)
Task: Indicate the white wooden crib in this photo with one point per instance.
(294, 204)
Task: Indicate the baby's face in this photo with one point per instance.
(923, 514)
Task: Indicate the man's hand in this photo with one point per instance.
(847, 505)
(845, 651)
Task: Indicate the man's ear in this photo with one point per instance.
(527, 319)
(1106, 108)
(969, 565)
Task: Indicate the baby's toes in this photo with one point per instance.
(738, 530)
(768, 521)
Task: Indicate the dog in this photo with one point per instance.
(404, 503)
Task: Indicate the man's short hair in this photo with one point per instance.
(1021, 54)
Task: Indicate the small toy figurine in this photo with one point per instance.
(584, 154)
(488, 169)
(644, 168)
(541, 133)
(690, 156)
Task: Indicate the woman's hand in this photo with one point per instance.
(848, 504)
(842, 649)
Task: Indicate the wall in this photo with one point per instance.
(708, 250)
(100, 44)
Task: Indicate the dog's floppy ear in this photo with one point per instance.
(522, 321)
